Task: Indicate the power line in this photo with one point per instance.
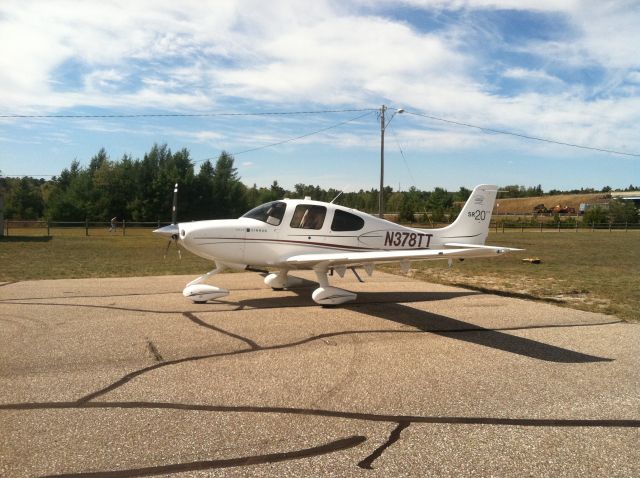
(511, 133)
(368, 112)
(406, 164)
(183, 115)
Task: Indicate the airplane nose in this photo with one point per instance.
(167, 231)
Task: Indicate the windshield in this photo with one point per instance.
(271, 212)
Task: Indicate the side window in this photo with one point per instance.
(308, 217)
(345, 221)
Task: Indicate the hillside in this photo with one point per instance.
(526, 205)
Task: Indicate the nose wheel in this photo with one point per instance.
(200, 293)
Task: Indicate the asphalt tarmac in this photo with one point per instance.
(125, 377)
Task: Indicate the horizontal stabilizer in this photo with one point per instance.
(480, 246)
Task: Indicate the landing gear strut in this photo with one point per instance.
(281, 280)
(201, 293)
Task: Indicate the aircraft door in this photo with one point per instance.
(307, 223)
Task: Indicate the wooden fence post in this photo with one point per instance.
(86, 226)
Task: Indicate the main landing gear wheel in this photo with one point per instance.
(327, 295)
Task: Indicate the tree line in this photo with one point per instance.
(140, 190)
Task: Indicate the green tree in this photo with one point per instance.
(273, 193)
(595, 215)
(439, 199)
(621, 211)
(409, 205)
(462, 194)
(228, 190)
(24, 199)
(69, 196)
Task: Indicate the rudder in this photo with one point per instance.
(472, 224)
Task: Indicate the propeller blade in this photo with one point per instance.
(166, 249)
(174, 209)
(172, 230)
(174, 239)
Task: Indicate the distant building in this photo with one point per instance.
(628, 196)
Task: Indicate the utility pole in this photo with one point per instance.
(381, 193)
(383, 126)
(1, 210)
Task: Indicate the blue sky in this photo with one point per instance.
(566, 70)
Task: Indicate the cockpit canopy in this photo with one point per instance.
(271, 212)
(306, 216)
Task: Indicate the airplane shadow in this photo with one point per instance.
(303, 298)
(391, 306)
(457, 329)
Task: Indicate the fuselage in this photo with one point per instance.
(304, 234)
(273, 232)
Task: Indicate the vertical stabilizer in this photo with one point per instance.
(472, 224)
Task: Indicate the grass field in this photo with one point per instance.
(597, 271)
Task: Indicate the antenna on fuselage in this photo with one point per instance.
(333, 200)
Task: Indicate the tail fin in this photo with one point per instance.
(472, 224)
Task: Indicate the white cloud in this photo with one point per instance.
(341, 60)
(531, 75)
(198, 55)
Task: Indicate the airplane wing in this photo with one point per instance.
(458, 251)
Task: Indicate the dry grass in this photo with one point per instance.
(596, 271)
(526, 205)
(76, 256)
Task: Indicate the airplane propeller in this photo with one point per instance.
(172, 230)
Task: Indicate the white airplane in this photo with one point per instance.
(293, 234)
